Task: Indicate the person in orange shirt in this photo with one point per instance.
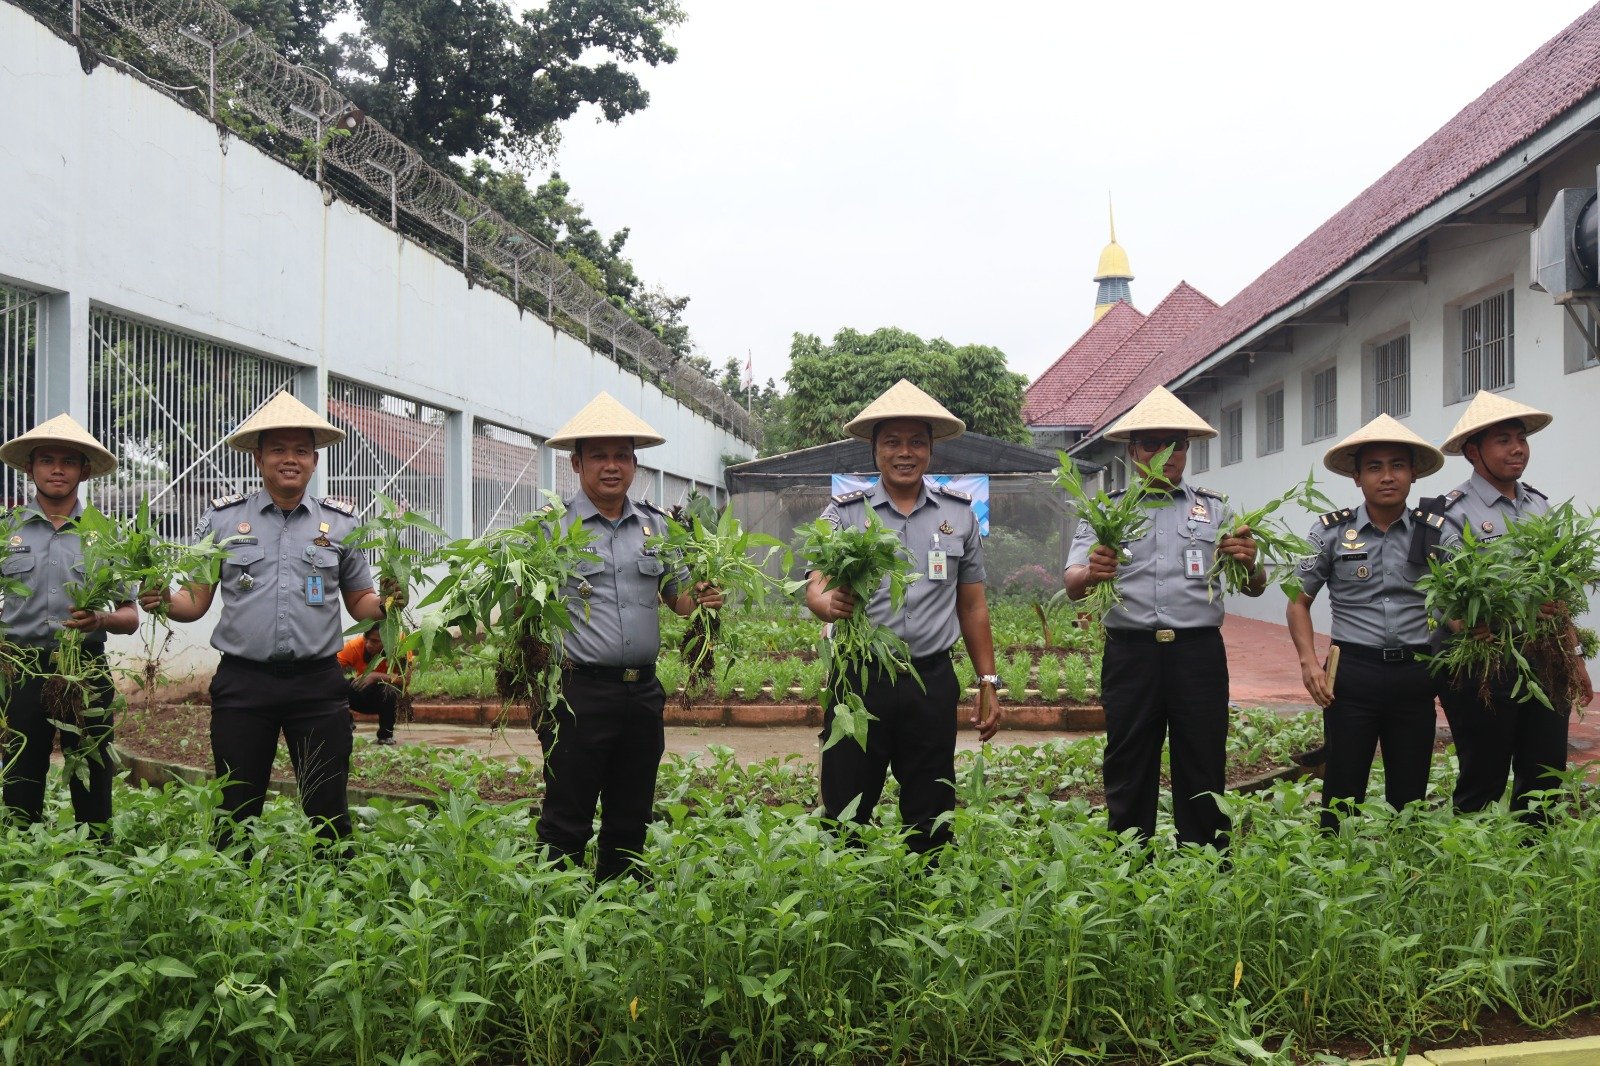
(375, 691)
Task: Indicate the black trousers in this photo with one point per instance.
(251, 703)
(1151, 691)
(379, 698)
(1377, 702)
(602, 746)
(914, 735)
(31, 737)
(1522, 737)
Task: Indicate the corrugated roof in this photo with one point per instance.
(1175, 317)
(1063, 377)
(1555, 78)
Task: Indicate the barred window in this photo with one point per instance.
(1232, 434)
(1199, 455)
(1324, 403)
(1391, 373)
(1487, 356)
(1272, 422)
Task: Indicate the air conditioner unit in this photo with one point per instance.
(1565, 254)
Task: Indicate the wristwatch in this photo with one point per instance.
(992, 680)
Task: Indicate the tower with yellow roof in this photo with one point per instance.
(1113, 274)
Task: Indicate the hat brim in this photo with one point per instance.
(942, 427)
(15, 453)
(249, 440)
(1531, 424)
(1425, 459)
(568, 441)
(1125, 436)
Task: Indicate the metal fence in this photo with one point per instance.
(392, 445)
(242, 82)
(505, 476)
(22, 326)
(164, 401)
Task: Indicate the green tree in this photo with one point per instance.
(463, 77)
(830, 383)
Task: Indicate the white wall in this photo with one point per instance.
(113, 195)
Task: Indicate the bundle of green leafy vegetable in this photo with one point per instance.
(1279, 548)
(719, 551)
(859, 560)
(511, 582)
(391, 535)
(1114, 518)
(14, 661)
(1515, 597)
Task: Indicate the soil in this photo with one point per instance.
(1490, 1028)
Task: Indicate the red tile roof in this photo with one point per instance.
(1556, 77)
(1179, 314)
(1063, 377)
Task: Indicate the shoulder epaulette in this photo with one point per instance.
(1333, 518)
(1432, 518)
(219, 502)
(648, 506)
(1213, 493)
(1452, 496)
(954, 494)
(340, 504)
(1535, 491)
(850, 497)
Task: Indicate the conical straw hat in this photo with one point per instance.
(1159, 411)
(63, 430)
(284, 412)
(1425, 458)
(603, 416)
(1488, 409)
(905, 400)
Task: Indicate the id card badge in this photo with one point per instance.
(1194, 564)
(314, 590)
(938, 565)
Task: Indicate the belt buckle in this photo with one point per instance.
(1166, 636)
(1394, 655)
(630, 673)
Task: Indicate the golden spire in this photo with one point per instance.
(1113, 273)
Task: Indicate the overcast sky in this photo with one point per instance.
(944, 167)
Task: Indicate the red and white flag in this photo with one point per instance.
(749, 372)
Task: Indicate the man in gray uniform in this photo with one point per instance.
(914, 726)
(1492, 737)
(603, 743)
(1165, 667)
(45, 555)
(1370, 559)
(288, 569)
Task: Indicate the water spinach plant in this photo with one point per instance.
(392, 534)
(1515, 597)
(1114, 518)
(860, 560)
(511, 582)
(1279, 548)
(716, 550)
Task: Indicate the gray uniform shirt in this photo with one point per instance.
(622, 592)
(46, 559)
(1153, 572)
(1372, 587)
(266, 613)
(1478, 505)
(942, 520)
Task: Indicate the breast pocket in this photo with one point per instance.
(243, 568)
(17, 565)
(1357, 577)
(327, 563)
(649, 588)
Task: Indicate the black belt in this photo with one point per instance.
(1159, 636)
(282, 667)
(927, 662)
(629, 674)
(1406, 653)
